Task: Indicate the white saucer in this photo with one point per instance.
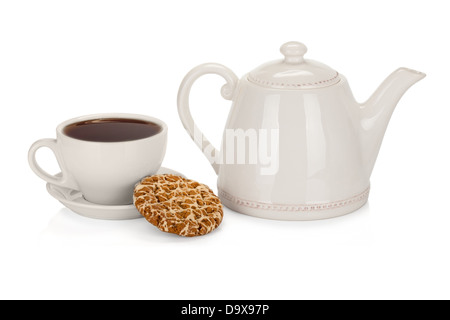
(74, 200)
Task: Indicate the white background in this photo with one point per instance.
(62, 59)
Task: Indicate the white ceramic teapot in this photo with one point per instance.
(296, 146)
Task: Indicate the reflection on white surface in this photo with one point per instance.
(69, 228)
(315, 137)
(293, 73)
(270, 124)
(316, 147)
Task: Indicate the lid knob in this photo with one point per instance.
(293, 52)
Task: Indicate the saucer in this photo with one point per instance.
(74, 200)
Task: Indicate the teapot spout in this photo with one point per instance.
(377, 111)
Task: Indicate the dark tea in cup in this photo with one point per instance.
(112, 130)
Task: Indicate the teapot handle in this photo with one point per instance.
(183, 105)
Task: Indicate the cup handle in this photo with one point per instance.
(62, 180)
(227, 92)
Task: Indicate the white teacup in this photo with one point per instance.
(104, 172)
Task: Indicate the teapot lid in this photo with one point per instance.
(294, 72)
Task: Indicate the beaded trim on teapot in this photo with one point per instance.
(307, 85)
(295, 207)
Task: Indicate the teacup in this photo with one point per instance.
(104, 155)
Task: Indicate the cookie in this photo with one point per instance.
(178, 205)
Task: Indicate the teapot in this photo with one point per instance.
(296, 145)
